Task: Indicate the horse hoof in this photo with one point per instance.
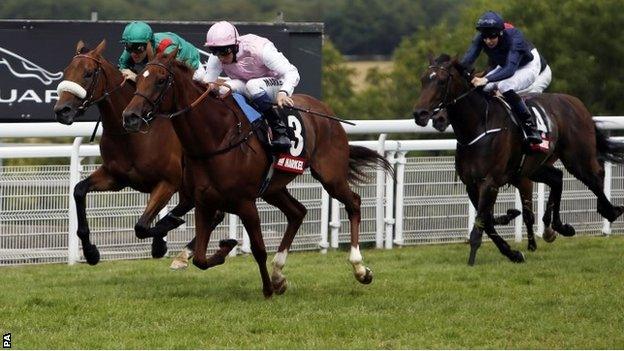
(141, 232)
(159, 248)
(549, 235)
(517, 257)
(228, 243)
(267, 293)
(91, 254)
(513, 213)
(280, 286)
(203, 265)
(367, 278)
(566, 230)
(532, 247)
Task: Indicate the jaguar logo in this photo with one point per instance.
(24, 68)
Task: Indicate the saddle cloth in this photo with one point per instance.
(542, 120)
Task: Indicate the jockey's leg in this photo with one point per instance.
(521, 111)
(263, 92)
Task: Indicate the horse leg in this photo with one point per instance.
(295, 212)
(586, 168)
(180, 262)
(159, 197)
(203, 229)
(340, 190)
(487, 194)
(525, 187)
(553, 177)
(248, 214)
(100, 180)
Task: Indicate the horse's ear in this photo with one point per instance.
(430, 57)
(79, 46)
(100, 48)
(172, 55)
(150, 51)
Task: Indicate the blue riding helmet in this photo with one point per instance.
(490, 21)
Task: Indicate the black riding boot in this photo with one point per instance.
(280, 142)
(527, 121)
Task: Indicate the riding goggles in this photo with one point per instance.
(220, 50)
(137, 48)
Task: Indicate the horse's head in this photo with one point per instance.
(442, 83)
(84, 83)
(153, 91)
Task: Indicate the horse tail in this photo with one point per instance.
(362, 157)
(609, 150)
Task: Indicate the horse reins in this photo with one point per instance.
(443, 105)
(88, 100)
(156, 104)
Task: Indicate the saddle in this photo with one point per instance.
(292, 161)
(542, 120)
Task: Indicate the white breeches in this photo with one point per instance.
(256, 87)
(524, 77)
(541, 83)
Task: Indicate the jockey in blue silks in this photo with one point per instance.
(517, 66)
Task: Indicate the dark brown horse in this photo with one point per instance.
(525, 188)
(228, 163)
(126, 158)
(491, 153)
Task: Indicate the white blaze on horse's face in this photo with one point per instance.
(146, 73)
(432, 75)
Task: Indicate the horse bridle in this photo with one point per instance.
(88, 100)
(156, 103)
(443, 103)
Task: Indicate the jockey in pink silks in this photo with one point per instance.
(255, 69)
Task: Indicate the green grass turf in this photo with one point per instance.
(569, 294)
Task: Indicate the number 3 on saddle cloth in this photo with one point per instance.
(292, 161)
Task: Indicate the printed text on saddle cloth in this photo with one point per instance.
(293, 161)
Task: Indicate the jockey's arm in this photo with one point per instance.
(124, 68)
(277, 62)
(473, 51)
(511, 66)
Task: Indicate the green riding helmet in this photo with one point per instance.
(137, 32)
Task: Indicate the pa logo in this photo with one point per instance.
(6, 341)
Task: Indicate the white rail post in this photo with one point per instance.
(400, 208)
(379, 206)
(389, 217)
(246, 247)
(541, 191)
(606, 226)
(518, 220)
(324, 244)
(233, 231)
(335, 223)
(74, 177)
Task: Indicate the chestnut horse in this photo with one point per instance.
(490, 151)
(228, 163)
(91, 80)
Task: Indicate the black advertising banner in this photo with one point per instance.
(33, 55)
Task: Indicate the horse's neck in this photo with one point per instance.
(468, 116)
(203, 129)
(111, 108)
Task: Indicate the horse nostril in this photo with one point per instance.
(62, 110)
(420, 113)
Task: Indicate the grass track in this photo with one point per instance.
(569, 294)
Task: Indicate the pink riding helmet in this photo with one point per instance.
(222, 34)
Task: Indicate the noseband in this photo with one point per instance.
(89, 100)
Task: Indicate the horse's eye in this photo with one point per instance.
(161, 81)
(88, 74)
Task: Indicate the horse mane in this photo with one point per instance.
(188, 71)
